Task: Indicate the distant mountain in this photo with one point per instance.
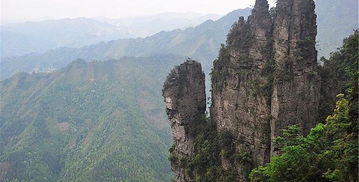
(18, 39)
(201, 42)
(336, 20)
(144, 26)
(97, 121)
(23, 38)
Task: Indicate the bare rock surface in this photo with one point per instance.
(265, 79)
(185, 99)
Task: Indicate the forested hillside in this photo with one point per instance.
(98, 121)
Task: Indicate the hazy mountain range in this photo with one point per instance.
(200, 42)
(143, 26)
(336, 20)
(28, 37)
(24, 38)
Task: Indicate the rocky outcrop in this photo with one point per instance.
(295, 96)
(239, 102)
(264, 80)
(185, 99)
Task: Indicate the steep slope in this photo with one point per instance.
(97, 121)
(201, 42)
(239, 102)
(295, 96)
(330, 151)
(185, 97)
(266, 78)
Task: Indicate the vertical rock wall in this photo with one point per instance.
(185, 99)
(265, 79)
(239, 104)
(295, 97)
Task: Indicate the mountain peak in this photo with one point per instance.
(251, 102)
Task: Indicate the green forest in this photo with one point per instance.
(97, 121)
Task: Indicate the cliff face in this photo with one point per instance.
(185, 99)
(295, 96)
(238, 103)
(264, 80)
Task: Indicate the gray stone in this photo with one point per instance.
(265, 79)
(185, 98)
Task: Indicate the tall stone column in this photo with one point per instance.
(185, 99)
(240, 103)
(295, 97)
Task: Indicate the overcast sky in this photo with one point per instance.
(54, 9)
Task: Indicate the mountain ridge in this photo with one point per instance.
(78, 32)
(208, 35)
(328, 40)
(89, 121)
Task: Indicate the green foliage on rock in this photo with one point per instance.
(211, 147)
(205, 163)
(328, 153)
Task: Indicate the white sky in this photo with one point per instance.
(54, 9)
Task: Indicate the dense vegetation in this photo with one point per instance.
(330, 151)
(98, 121)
